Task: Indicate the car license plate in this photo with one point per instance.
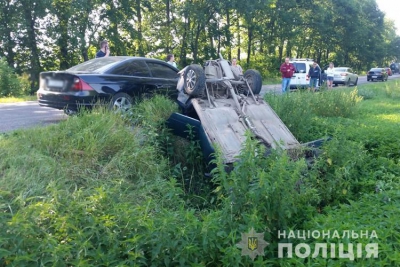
(55, 83)
(374, 76)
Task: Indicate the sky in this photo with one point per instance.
(392, 11)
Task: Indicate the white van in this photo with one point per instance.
(300, 79)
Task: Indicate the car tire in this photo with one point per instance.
(254, 80)
(194, 80)
(121, 102)
(355, 83)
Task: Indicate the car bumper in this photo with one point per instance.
(72, 101)
(376, 77)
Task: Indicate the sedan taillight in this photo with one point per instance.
(80, 85)
(344, 74)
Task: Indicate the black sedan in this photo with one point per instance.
(116, 81)
(377, 74)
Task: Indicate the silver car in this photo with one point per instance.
(345, 75)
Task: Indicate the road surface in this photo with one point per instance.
(29, 114)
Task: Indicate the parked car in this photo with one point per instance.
(389, 71)
(345, 75)
(300, 78)
(116, 81)
(377, 74)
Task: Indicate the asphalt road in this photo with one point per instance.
(29, 114)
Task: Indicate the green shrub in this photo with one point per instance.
(300, 110)
(335, 103)
(269, 192)
(366, 93)
(97, 190)
(392, 90)
(372, 212)
(10, 84)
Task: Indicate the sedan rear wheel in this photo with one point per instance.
(121, 102)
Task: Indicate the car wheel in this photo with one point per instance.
(194, 80)
(254, 80)
(70, 112)
(121, 102)
(355, 83)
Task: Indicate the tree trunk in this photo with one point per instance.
(239, 41)
(196, 42)
(168, 32)
(184, 41)
(249, 42)
(31, 44)
(9, 43)
(228, 35)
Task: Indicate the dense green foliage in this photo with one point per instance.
(39, 35)
(104, 190)
(12, 85)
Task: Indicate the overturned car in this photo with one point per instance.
(222, 105)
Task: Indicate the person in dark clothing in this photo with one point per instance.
(287, 69)
(313, 74)
(104, 49)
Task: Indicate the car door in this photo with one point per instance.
(352, 78)
(164, 79)
(299, 78)
(132, 77)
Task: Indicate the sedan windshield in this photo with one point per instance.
(97, 64)
(376, 69)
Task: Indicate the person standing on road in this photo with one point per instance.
(287, 69)
(313, 74)
(330, 73)
(104, 49)
(171, 60)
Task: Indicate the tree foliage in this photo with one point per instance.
(39, 35)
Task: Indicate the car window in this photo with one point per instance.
(340, 69)
(162, 71)
(133, 68)
(300, 67)
(96, 65)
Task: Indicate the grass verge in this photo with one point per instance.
(102, 189)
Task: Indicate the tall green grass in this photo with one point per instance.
(101, 189)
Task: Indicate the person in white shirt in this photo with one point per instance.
(237, 67)
(171, 60)
(330, 73)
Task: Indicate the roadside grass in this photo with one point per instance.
(18, 99)
(101, 189)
